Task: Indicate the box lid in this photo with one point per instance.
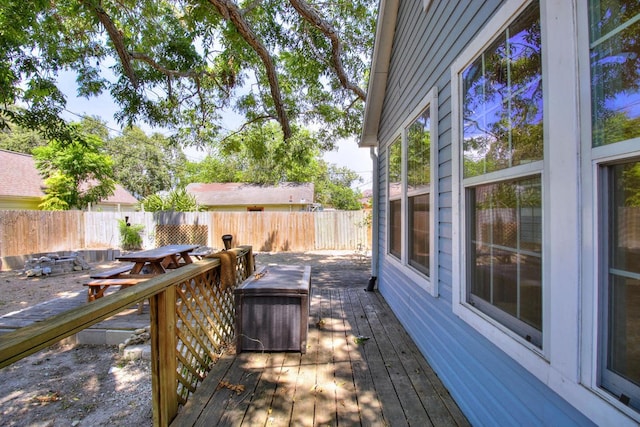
(288, 279)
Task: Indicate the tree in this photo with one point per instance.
(20, 140)
(144, 165)
(176, 200)
(75, 173)
(181, 64)
(334, 188)
(259, 154)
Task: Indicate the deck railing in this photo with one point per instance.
(192, 318)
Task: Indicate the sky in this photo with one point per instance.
(348, 153)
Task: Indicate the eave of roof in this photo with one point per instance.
(385, 30)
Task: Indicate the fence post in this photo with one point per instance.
(163, 356)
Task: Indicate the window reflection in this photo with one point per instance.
(395, 204)
(418, 179)
(395, 228)
(395, 168)
(506, 253)
(615, 70)
(502, 111)
(419, 236)
(419, 152)
(624, 273)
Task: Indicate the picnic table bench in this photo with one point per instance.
(110, 274)
(143, 266)
(98, 287)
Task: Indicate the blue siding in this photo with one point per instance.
(490, 387)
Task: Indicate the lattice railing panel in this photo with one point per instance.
(205, 323)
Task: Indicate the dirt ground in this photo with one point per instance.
(67, 385)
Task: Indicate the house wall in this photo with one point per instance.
(104, 207)
(13, 203)
(491, 387)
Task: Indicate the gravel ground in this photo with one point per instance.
(68, 385)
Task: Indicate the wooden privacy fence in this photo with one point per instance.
(31, 232)
(192, 318)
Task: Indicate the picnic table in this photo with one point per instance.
(142, 266)
(159, 259)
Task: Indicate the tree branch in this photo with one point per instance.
(244, 126)
(230, 12)
(116, 37)
(310, 15)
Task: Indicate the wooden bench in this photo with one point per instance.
(113, 273)
(96, 288)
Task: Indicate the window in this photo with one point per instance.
(411, 195)
(615, 79)
(621, 290)
(395, 201)
(505, 263)
(418, 137)
(502, 165)
(615, 126)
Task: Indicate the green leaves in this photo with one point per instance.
(130, 235)
(76, 174)
(176, 200)
(181, 64)
(144, 165)
(260, 155)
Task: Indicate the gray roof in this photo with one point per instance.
(234, 193)
(19, 176)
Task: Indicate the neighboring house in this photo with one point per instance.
(233, 196)
(20, 182)
(366, 199)
(21, 186)
(120, 200)
(507, 230)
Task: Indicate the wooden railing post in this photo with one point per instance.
(163, 356)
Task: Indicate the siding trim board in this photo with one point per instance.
(495, 376)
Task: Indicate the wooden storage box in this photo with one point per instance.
(272, 310)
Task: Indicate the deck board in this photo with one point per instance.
(338, 381)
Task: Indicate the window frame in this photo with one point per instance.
(596, 165)
(427, 282)
(461, 304)
(533, 358)
(567, 362)
(595, 259)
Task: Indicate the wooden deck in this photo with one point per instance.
(361, 368)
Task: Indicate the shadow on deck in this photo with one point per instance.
(360, 368)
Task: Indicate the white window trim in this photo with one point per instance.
(428, 283)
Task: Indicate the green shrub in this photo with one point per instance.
(130, 237)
